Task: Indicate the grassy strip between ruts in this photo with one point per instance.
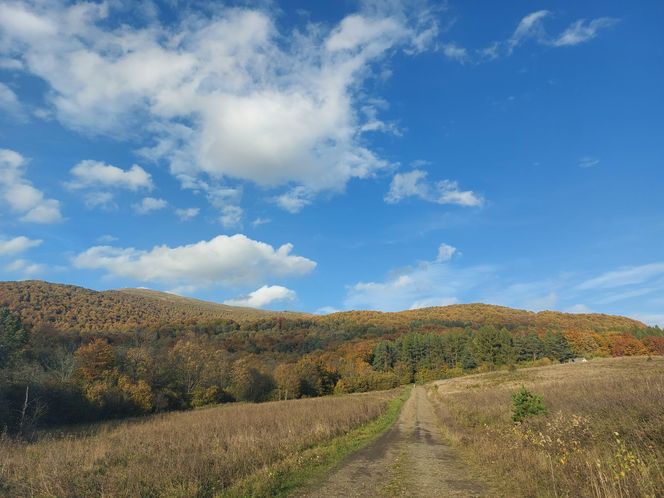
(302, 468)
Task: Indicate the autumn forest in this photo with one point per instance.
(65, 364)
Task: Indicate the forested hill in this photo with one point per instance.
(474, 315)
(66, 307)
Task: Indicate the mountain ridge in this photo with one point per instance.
(65, 306)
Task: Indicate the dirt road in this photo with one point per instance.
(409, 459)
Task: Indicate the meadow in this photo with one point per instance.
(205, 452)
(602, 434)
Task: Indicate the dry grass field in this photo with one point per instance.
(200, 453)
(602, 435)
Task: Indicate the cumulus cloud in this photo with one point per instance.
(100, 199)
(579, 308)
(17, 245)
(415, 184)
(295, 199)
(10, 64)
(149, 204)
(225, 95)
(231, 216)
(224, 260)
(428, 283)
(266, 295)
(20, 195)
(9, 102)
(445, 252)
(91, 173)
(260, 221)
(454, 52)
(25, 267)
(326, 310)
(187, 214)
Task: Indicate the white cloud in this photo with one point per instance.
(106, 239)
(226, 200)
(326, 310)
(428, 283)
(100, 199)
(579, 308)
(149, 204)
(295, 199)
(25, 267)
(260, 221)
(223, 260)
(415, 184)
(529, 27)
(266, 295)
(448, 193)
(182, 290)
(91, 173)
(650, 318)
(490, 52)
(9, 102)
(225, 94)
(10, 64)
(579, 31)
(582, 30)
(588, 162)
(17, 245)
(454, 52)
(433, 301)
(19, 194)
(445, 252)
(187, 214)
(630, 275)
(231, 216)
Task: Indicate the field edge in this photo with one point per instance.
(305, 467)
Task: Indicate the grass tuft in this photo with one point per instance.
(602, 435)
(233, 450)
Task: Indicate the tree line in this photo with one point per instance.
(50, 377)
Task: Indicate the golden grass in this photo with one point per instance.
(603, 435)
(197, 453)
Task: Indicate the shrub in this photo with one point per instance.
(526, 404)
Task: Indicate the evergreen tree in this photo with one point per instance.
(528, 347)
(384, 356)
(556, 347)
(13, 337)
(493, 346)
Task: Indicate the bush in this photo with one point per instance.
(526, 404)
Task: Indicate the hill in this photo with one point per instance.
(66, 307)
(476, 314)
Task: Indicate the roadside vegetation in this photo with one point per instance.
(235, 450)
(592, 429)
(51, 377)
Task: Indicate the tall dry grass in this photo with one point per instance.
(603, 435)
(188, 454)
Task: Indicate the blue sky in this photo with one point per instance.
(342, 155)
